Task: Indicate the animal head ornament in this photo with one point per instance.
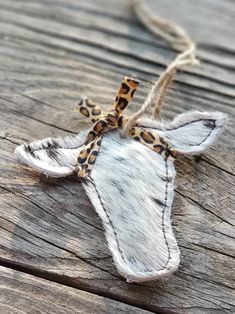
(129, 180)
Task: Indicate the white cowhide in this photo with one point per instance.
(131, 187)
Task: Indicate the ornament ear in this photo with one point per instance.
(55, 157)
(191, 132)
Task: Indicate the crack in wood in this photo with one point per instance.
(43, 62)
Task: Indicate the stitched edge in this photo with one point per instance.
(147, 127)
(163, 213)
(163, 218)
(109, 219)
(207, 135)
(106, 213)
(57, 148)
(192, 145)
(179, 126)
(75, 147)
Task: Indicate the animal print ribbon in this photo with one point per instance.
(113, 119)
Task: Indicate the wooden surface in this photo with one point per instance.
(42, 296)
(53, 253)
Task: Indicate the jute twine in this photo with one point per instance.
(180, 41)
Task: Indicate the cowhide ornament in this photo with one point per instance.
(131, 186)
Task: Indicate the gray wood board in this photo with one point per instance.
(51, 53)
(24, 293)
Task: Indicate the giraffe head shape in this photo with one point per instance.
(130, 181)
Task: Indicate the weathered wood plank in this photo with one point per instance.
(23, 293)
(49, 225)
(125, 50)
(51, 54)
(119, 51)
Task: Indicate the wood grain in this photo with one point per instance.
(23, 293)
(52, 53)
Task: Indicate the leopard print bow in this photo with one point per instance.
(113, 119)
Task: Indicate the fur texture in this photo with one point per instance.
(54, 157)
(191, 132)
(131, 188)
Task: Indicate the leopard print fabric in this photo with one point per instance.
(113, 119)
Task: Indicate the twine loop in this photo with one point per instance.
(104, 122)
(179, 40)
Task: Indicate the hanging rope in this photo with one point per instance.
(179, 40)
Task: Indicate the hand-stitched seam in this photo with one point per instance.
(57, 148)
(205, 137)
(163, 218)
(107, 215)
(148, 127)
(163, 213)
(110, 221)
(177, 127)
